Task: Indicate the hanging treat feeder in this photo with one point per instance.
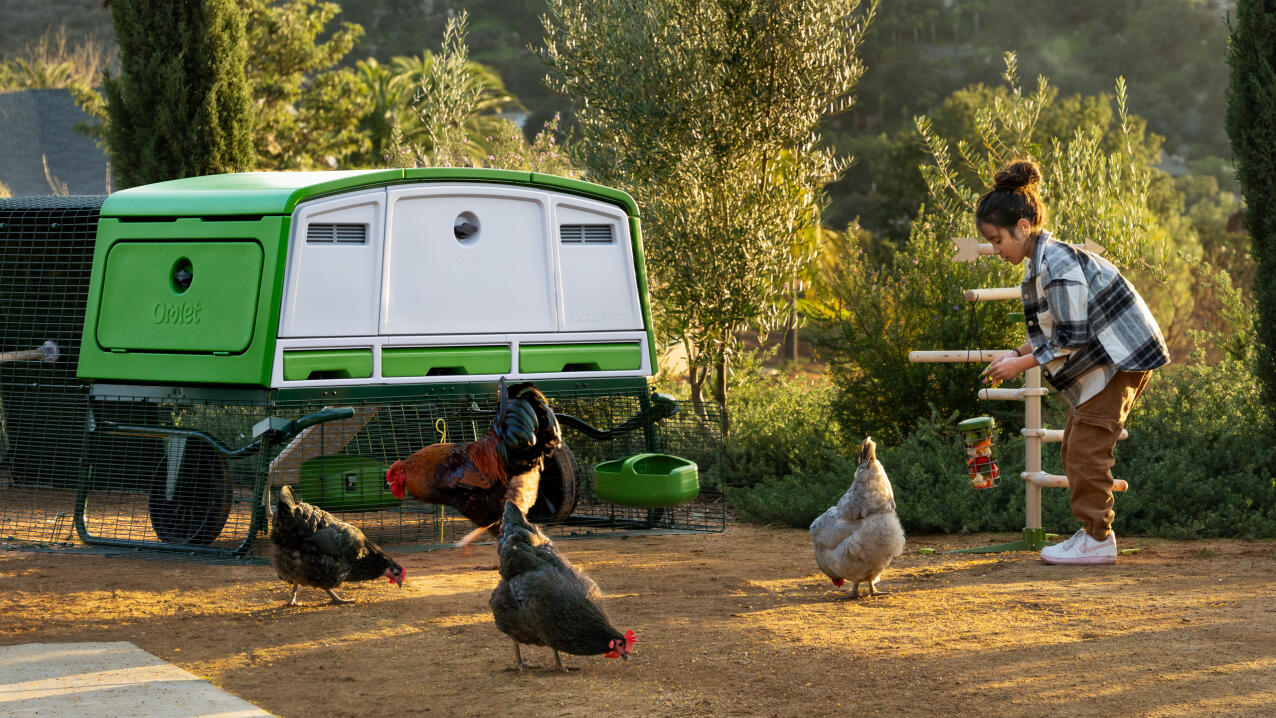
(976, 436)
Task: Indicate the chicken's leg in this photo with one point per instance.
(292, 600)
(336, 598)
(855, 590)
(518, 657)
(558, 661)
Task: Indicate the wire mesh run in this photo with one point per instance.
(198, 472)
(46, 257)
(344, 470)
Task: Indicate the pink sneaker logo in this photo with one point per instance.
(1087, 547)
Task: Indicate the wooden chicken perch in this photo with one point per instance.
(46, 352)
(969, 250)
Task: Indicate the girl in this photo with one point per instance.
(1092, 334)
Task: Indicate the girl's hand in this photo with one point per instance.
(1004, 367)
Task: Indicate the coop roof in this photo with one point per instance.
(277, 193)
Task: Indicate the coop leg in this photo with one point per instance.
(292, 600)
(336, 598)
(558, 661)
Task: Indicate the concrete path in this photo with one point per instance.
(66, 680)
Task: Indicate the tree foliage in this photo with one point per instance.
(180, 106)
(441, 110)
(307, 107)
(1251, 125)
(706, 112)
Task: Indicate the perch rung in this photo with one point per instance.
(1056, 435)
(46, 352)
(1011, 394)
(988, 295)
(1059, 481)
(969, 249)
(955, 355)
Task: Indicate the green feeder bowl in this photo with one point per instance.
(647, 480)
(345, 483)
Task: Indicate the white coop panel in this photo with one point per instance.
(600, 292)
(332, 284)
(468, 259)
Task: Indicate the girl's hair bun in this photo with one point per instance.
(1018, 175)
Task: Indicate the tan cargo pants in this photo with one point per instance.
(1088, 440)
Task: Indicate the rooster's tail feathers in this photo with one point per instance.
(516, 425)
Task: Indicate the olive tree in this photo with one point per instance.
(706, 111)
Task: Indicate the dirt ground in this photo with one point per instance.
(737, 623)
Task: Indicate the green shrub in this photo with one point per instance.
(793, 499)
(1193, 462)
(779, 428)
(1196, 460)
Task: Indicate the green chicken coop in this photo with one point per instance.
(174, 353)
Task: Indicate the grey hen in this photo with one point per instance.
(545, 601)
(856, 539)
(311, 547)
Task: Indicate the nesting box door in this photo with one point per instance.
(333, 280)
(597, 268)
(467, 260)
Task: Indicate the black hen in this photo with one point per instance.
(314, 548)
(543, 600)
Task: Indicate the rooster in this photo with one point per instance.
(545, 601)
(311, 547)
(478, 477)
(856, 539)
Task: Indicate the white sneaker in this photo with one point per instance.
(1082, 550)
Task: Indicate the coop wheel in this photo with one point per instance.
(201, 499)
(556, 498)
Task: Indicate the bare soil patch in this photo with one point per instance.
(738, 623)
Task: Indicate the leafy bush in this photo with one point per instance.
(793, 499)
(781, 428)
(1194, 460)
(1193, 463)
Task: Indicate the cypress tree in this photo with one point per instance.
(181, 106)
(1251, 126)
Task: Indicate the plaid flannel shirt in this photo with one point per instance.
(1085, 321)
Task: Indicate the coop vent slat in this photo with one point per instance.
(585, 233)
(328, 233)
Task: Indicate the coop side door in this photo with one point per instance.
(332, 285)
(468, 259)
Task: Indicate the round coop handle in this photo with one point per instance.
(46, 352)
